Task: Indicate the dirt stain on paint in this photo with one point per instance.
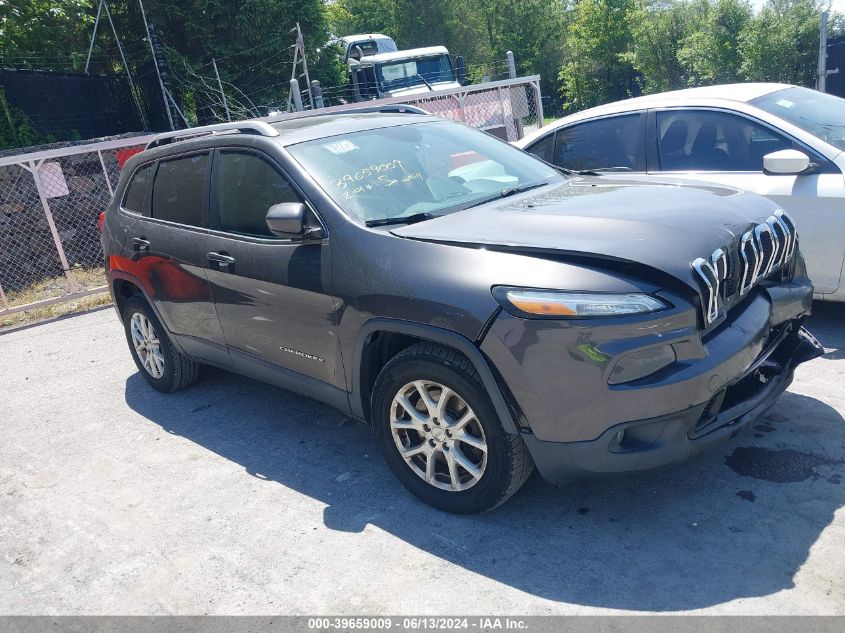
(778, 466)
(747, 495)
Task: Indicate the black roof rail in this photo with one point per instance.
(244, 127)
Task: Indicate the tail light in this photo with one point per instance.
(101, 221)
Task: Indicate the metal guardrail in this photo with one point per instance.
(50, 200)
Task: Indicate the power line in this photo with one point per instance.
(247, 50)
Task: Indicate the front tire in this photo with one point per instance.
(440, 433)
(158, 361)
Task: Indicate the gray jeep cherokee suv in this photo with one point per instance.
(482, 310)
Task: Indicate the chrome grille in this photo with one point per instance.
(765, 249)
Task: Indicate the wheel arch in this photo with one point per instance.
(123, 286)
(380, 339)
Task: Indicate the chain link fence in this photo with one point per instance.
(508, 109)
(50, 201)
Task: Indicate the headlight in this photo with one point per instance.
(556, 304)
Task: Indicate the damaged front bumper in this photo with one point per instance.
(644, 444)
(576, 424)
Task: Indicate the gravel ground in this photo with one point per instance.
(236, 497)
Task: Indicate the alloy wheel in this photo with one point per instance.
(147, 345)
(438, 435)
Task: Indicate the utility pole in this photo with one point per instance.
(156, 56)
(822, 79)
(141, 114)
(300, 41)
(220, 84)
(299, 50)
(93, 36)
(161, 65)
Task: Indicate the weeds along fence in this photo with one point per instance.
(50, 200)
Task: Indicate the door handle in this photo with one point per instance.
(140, 244)
(221, 259)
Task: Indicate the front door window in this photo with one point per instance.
(706, 140)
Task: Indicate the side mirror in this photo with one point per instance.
(287, 219)
(461, 69)
(787, 162)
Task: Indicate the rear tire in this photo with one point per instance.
(158, 361)
(454, 455)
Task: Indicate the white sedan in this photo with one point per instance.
(781, 141)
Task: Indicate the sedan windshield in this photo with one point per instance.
(820, 114)
(427, 168)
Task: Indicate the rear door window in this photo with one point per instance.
(611, 144)
(179, 190)
(136, 192)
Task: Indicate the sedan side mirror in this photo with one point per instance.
(787, 162)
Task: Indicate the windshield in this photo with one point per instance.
(433, 168)
(407, 73)
(820, 114)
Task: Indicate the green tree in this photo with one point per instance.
(45, 34)
(709, 52)
(780, 43)
(657, 29)
(251, 39)
(534, 30)
(15, 127)
(596, 68)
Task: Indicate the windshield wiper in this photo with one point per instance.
(425, 82)
(506, 193)
(574, 172)
(402, 219)
(565, 170)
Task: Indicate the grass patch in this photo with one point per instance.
(54, 287)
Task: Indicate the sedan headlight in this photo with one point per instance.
(559, 303)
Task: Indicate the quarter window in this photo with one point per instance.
(136, 192)
(706, 140)
(247, 186)
(613, 144)
(179, 190)
(544, 149)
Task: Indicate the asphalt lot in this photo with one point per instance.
(236, 497)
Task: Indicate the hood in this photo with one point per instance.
(665, 225)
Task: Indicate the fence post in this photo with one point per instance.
(295, 95)
(511, 65)
(461, 107)
(317, 93)
(105, 172)
(539, 99)
(33, 169)
(502, 110)
(3, 299)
